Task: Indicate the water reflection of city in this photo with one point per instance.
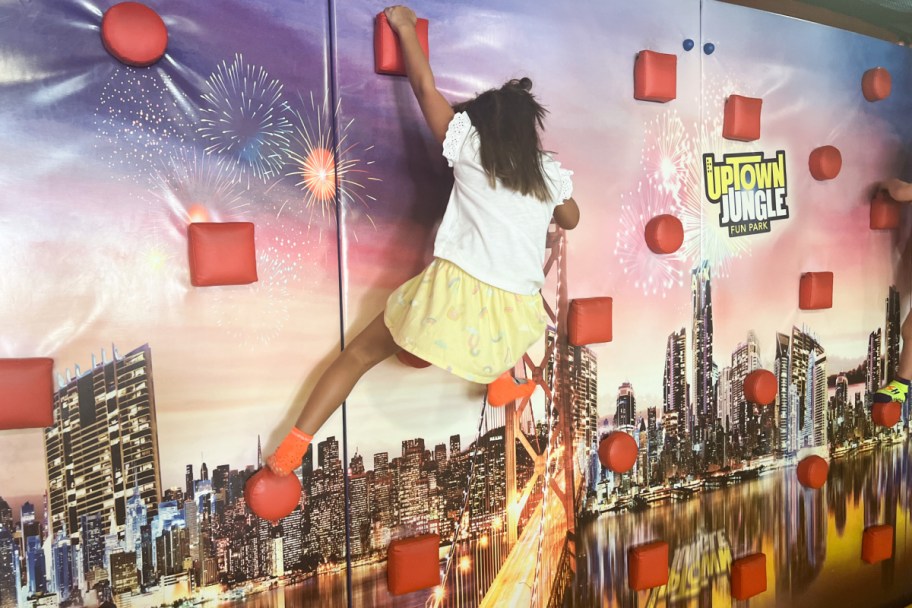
(812, 540)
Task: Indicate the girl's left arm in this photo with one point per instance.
(436, 109)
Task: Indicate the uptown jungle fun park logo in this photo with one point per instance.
(749, 189)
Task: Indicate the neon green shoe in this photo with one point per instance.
(895, 391)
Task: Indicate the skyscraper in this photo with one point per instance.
(454, 445)
(36, 571)
(583, 376)
(785, 419)
(891, 334)
(702, 349)
(652, 433)
(724, 398)
(92, 544)
(745, 359)
(188, 482)
(105, 428)
(63, 558)
(626, 406)
(6, 515)
(873, 371)
(674, 384)
(9, 570)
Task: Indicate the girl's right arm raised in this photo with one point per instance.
(436, 109)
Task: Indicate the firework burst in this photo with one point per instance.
(319, 172)
(667, 152)
(704, 239)
(137, 118)
(244, 121)
(653, 274)
(189, 187)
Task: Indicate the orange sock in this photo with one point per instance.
(290, 452)
(506, 389)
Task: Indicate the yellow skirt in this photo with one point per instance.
(469, 328)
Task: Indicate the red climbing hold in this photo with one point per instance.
(618, 452)
(664, 234)
(134, 34)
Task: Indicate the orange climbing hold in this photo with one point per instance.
(617, 452)
(411, 360)
(812, 472)
(270, 496)
(815, 291)
(26, 393)
(877, 543)
(825, 163)
(886, 414)
(655, 76)
(647, 565)
(760, 387)
(742, 118)
(664, 234)
(589, 321)
(507, 388)
(876, 84)
(387, 52)
(413, 564)
(885, 212)
(748, 576)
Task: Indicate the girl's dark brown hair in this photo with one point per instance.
(508, 121)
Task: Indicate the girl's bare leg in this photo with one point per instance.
(369, 348)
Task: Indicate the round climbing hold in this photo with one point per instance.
(812, 472)
(825, 162)
(886, 414)
(664, 234)
(709, 48)
(688, 44)
(411, 360)
(618, 452)
(270, 496)
(134, 34)
(876, 84)
(760, 387)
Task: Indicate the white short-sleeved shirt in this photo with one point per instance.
(495, 234)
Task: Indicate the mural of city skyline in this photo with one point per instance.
(110, 530)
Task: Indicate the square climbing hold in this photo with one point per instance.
(748, 576)
(647, 565)
(26, 393)
(413, 564)
(655, 76)
(877, 544)
(387, 52)
(815, 291)
(885, 212)
(222, 253)
(742, 118)
(589, 321)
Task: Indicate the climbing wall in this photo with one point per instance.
(702, 431)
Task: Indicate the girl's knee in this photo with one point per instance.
(906, 329)
(364, 354)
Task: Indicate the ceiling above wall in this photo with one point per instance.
(892, 15)
(887, 19)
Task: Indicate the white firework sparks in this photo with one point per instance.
(244, 121)
(653, 274)
(137, 118)
(667, 152)
(319, 172)
(704, 238)
(191, 188)
(270, 313)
